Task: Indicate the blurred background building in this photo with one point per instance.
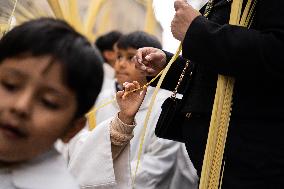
(95, 17)
(123, 15)
(90, 17)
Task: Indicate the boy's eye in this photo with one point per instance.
(10, 86)
(130, 58)
(50, 104)
(119, 57)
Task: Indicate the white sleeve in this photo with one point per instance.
(158, 161)
(91, 161)
(156, 165)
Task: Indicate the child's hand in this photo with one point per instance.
(129, 102)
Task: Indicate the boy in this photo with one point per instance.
(159, 159)
(105, 43)
(50, 77)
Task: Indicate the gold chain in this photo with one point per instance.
(208, 9)
(181, 78)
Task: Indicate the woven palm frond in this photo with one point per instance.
(14, 12)
(62, 9)
(6, 9)
(29, 9)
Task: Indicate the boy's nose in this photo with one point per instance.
(122, 62)
(22, 106)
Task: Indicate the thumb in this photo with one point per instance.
(154, 57)
(119, 94)
(142, 95)
(143, 92)
(138, 57)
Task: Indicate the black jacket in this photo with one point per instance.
(255, 57)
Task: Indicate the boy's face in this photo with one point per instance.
(125, 70)
(36, 107)
(110, 56)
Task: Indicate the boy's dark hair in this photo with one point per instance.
(106, 41)
(138, 39)
(82, 64)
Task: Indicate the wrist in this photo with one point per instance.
(126, 119)
(120, 133)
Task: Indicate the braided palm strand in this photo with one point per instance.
(221, 112)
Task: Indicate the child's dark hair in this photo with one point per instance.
(106, 41)
(138, 39)
(82, 64)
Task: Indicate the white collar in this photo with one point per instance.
(45, 172)
(197, 4)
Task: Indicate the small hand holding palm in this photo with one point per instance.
(129, 102)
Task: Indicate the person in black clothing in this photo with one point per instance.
(254, 152)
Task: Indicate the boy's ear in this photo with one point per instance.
(109, 55)
(78, 125)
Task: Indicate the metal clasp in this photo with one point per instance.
(188, 115)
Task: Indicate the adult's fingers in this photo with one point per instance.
(179, 3)
(139, 56)
(155, 57)
(140, 66)
(150, 71)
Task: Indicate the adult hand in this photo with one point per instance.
(129, 102)
(150, 60)
(184, 16)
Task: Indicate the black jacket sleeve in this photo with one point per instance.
(238, 51)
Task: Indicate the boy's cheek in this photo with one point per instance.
(13, 151)
(27, 148)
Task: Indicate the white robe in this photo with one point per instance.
(108, 76)
(48, 171)
(90, 160)
(164, 163)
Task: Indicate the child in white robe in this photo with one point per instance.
(161, 160)
(50, 77)
(90, 151)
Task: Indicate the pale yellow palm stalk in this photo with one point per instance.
(220, 118)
